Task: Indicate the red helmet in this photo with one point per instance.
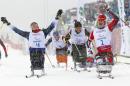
(101, 17)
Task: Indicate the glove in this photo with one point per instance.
(68, 51)
(103, 7)
(5, 21)
(60, 11)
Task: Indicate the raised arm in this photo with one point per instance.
(53, 24)
(15, 29)
(49, 29)
(114, 21)
(24, 34)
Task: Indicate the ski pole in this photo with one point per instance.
(50, 60)
(76, 47)
(115, 56)
(1, 26)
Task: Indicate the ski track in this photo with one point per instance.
(16, 66)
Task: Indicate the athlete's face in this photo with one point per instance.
(78, 29)
(34, 26)
(101, 24)
(57, 38)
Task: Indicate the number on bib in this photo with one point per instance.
(37, 44)
(102, 42)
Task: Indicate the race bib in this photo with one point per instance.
(102, 37)
(37, 40)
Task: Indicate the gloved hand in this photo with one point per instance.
(5, 21)
(103, 6)
(59, 13)
(68, 51)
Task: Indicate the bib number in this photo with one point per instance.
(102, 43)
(37, 44)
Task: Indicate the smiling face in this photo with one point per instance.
(56, 35)
(34, 26)
(101, 21)
(78, 27)
(57, 38)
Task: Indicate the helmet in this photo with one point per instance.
(101, 17)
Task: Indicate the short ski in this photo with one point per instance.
(38, 76)
(85, 69)
(109, 76)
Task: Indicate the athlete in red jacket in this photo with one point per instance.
(102, 34)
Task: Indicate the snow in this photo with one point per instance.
(14, 68)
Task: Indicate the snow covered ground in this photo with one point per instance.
(16, 66)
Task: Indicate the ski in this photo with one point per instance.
(85, 69)
(101, 77)
(75, 69)
(39, 76)
(109, 76)
(29, 76)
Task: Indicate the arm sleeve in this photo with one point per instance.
(87, 33)
(114, 21)
(91, 37)
(49, 28)
(48, 42)
(24, 34)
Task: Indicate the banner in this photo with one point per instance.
(80, 10)
(125, 31)
(121, 11)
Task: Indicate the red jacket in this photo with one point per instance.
(111, 26)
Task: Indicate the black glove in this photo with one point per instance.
(68, 51)
(103, 6)
(60, 11)
(5, 21)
